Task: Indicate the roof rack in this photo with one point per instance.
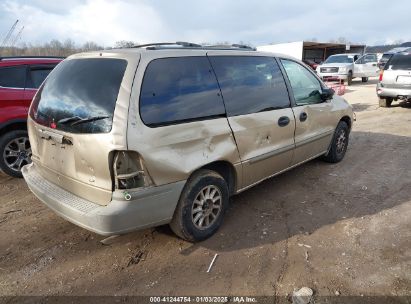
(180, 43)
(190, 45)
(30, 57)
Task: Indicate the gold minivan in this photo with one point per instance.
(127, 139)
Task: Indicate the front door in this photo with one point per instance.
(313, 119)
(259, 113)
(366, 66)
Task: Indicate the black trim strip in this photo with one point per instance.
(271, 154)
(313, 138)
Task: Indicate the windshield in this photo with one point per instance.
(80, 95)
(401, 61)
(340, 59)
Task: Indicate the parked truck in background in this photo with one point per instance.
(348, 66)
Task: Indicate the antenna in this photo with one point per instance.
(9, 33)
(17, 37)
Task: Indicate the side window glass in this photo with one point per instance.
(37, 76)
(360, 61)
(177, 90)
(13, 77)
(305, 86)
(370, 58)
(250, 84)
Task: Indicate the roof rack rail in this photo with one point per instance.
(190, 45)
(181, 43)
(29, 57)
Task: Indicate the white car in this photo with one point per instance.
(349, 66)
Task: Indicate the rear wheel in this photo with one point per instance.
(339, 143)
(15, 152)
(200, 210)
(385, 102)
(364, 79)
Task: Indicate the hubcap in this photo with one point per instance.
(206, 207)
(17, 153)
(341, 142)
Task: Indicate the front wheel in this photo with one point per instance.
(15, 152)
(200, 210)
(339, 143)
(364, 79)
(349, 78)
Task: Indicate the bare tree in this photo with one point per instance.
(125, 44)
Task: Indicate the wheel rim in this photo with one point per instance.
(341, 141)
(17, 153)
(206, 207)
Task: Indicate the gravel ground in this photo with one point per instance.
(340, 229)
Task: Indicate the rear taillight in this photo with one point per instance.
(129, 171)
(381, 74)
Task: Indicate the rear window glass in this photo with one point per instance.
(13, 77)
(37, 76)
(80, 95)
(177, 90)
(250, 84)
(399, 62)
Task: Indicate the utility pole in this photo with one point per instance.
(9, 33)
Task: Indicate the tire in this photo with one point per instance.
(339, 143)
(349, 78)
(385, 102)
(187, 224)
(364, 79)
(14, 142)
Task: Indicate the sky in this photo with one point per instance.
(253, 22)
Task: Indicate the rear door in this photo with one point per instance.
(314, 121)
(80, 115)
(12, 83)
(259, 113)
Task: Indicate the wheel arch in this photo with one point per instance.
(13, 125)
(347, 120)
(226, 170)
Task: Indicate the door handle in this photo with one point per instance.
(283, 121)
(303, 116)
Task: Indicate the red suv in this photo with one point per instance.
(20, 78)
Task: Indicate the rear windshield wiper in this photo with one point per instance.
(78, 120)
(88, 119)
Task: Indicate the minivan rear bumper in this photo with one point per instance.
(147, 208)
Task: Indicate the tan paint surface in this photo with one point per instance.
(257, 135)
(313, 136)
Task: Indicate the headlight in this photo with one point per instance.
(342, 70)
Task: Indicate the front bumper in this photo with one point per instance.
(383, 92)
(147, 208)
(332, 76)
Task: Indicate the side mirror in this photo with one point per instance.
(327, 94)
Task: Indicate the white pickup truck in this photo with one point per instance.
(349, 66)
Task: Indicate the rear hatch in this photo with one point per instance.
(78, 118)
(397, 72)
